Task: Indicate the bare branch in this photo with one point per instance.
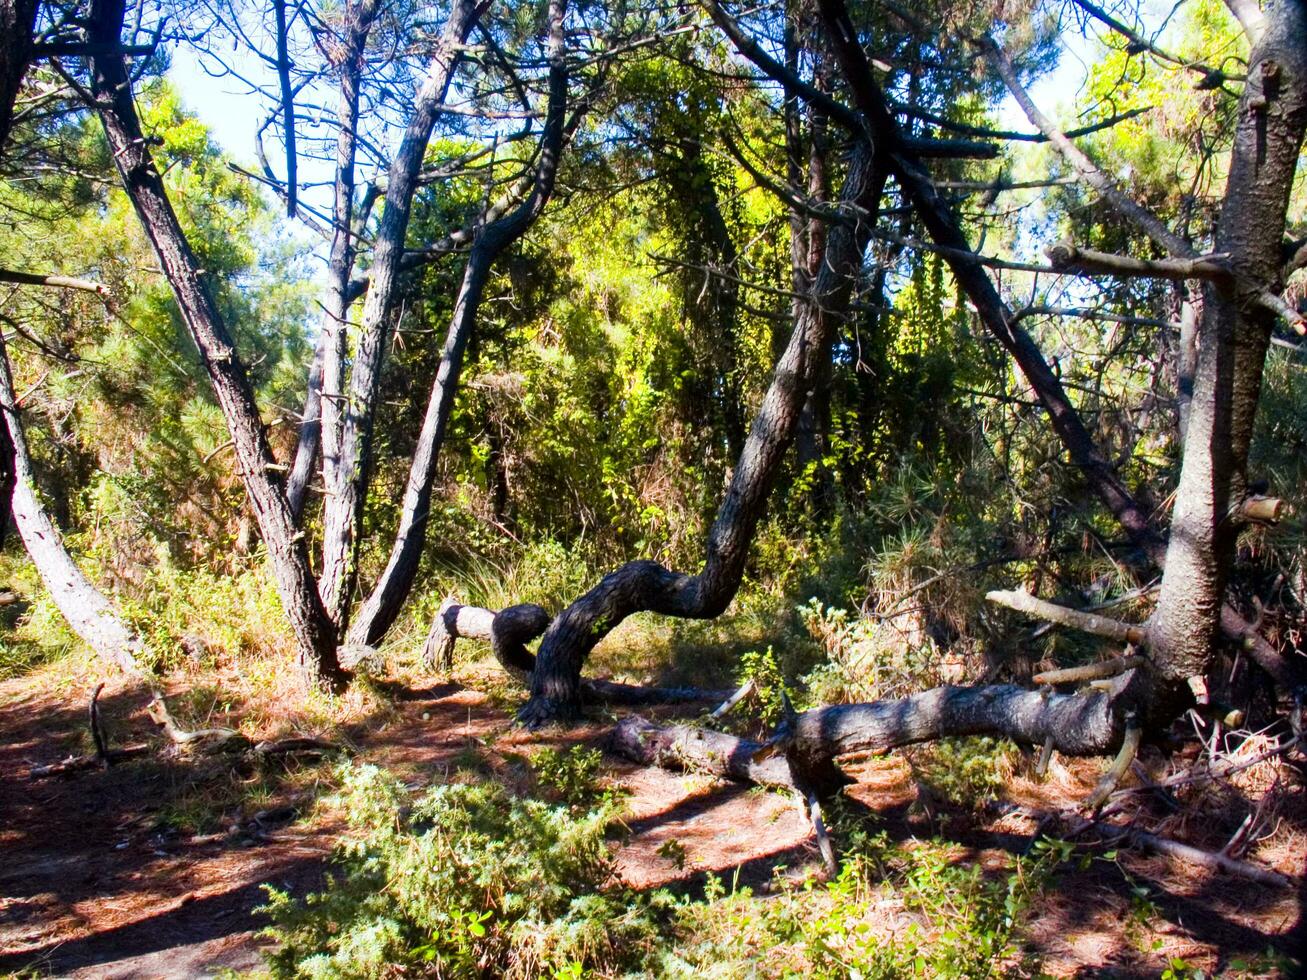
(1112, 629)
(1067, 257)
(54, 281)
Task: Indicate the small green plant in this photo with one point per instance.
(572, 776)
(1178, 968)
(466, 881)
(674, 851)
(968, 772)
(769, 683)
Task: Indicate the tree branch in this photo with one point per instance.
(54, 281)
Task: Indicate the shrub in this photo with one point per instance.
(467, 881)
(968, 772)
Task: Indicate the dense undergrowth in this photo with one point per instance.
(467, 879)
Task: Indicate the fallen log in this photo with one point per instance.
(698, 750)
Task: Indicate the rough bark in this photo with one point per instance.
(17, 21)
(511, 629)
(507, 631)
(1232, 342)
(697, 750)
(383, 605)
(319, 423)
(646, 585)
(1077, 724)
(347, 491)
(91, 616)
(808, 744)
(314, 633)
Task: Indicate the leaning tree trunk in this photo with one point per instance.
(314, 632)
(646, 585)
(91, 616)
(343, 518)
(946, 230)
(1232, 342)
(382, 607)
(328, 361)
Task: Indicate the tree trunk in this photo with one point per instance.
(1232, 341)
(510, 630)
(343, 518)
(697, 750)
(321, 416)
(91, 616)
(805, 747)
(383, 605)
(314, 633)
(646, 585)
(17, 21)
(946, 231)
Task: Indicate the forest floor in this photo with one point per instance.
(152, 867)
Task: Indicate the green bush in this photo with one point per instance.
(963, 924)
(968, 772)
(467, 881)
(572, 776)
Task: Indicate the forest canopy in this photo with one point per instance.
(916, 372)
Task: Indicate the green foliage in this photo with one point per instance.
(462, 881)
(965, 923)
(769, 684)
(572, 775)
(34, 631)
(968, 772)
(864, 661)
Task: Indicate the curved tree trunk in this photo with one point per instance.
(648, 586)
(314, 632)
(383, 605)
(91, 615)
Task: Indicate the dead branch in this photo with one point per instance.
(1208, 859)
(295, 746)
(1112, 629)
(698, 750)
(91, 760)
(97, 730)
(1129, 749)
(1067, 257)
(1262, 510)
(1090, 672)
(158, 711)
(741, 693)
(59, 282)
